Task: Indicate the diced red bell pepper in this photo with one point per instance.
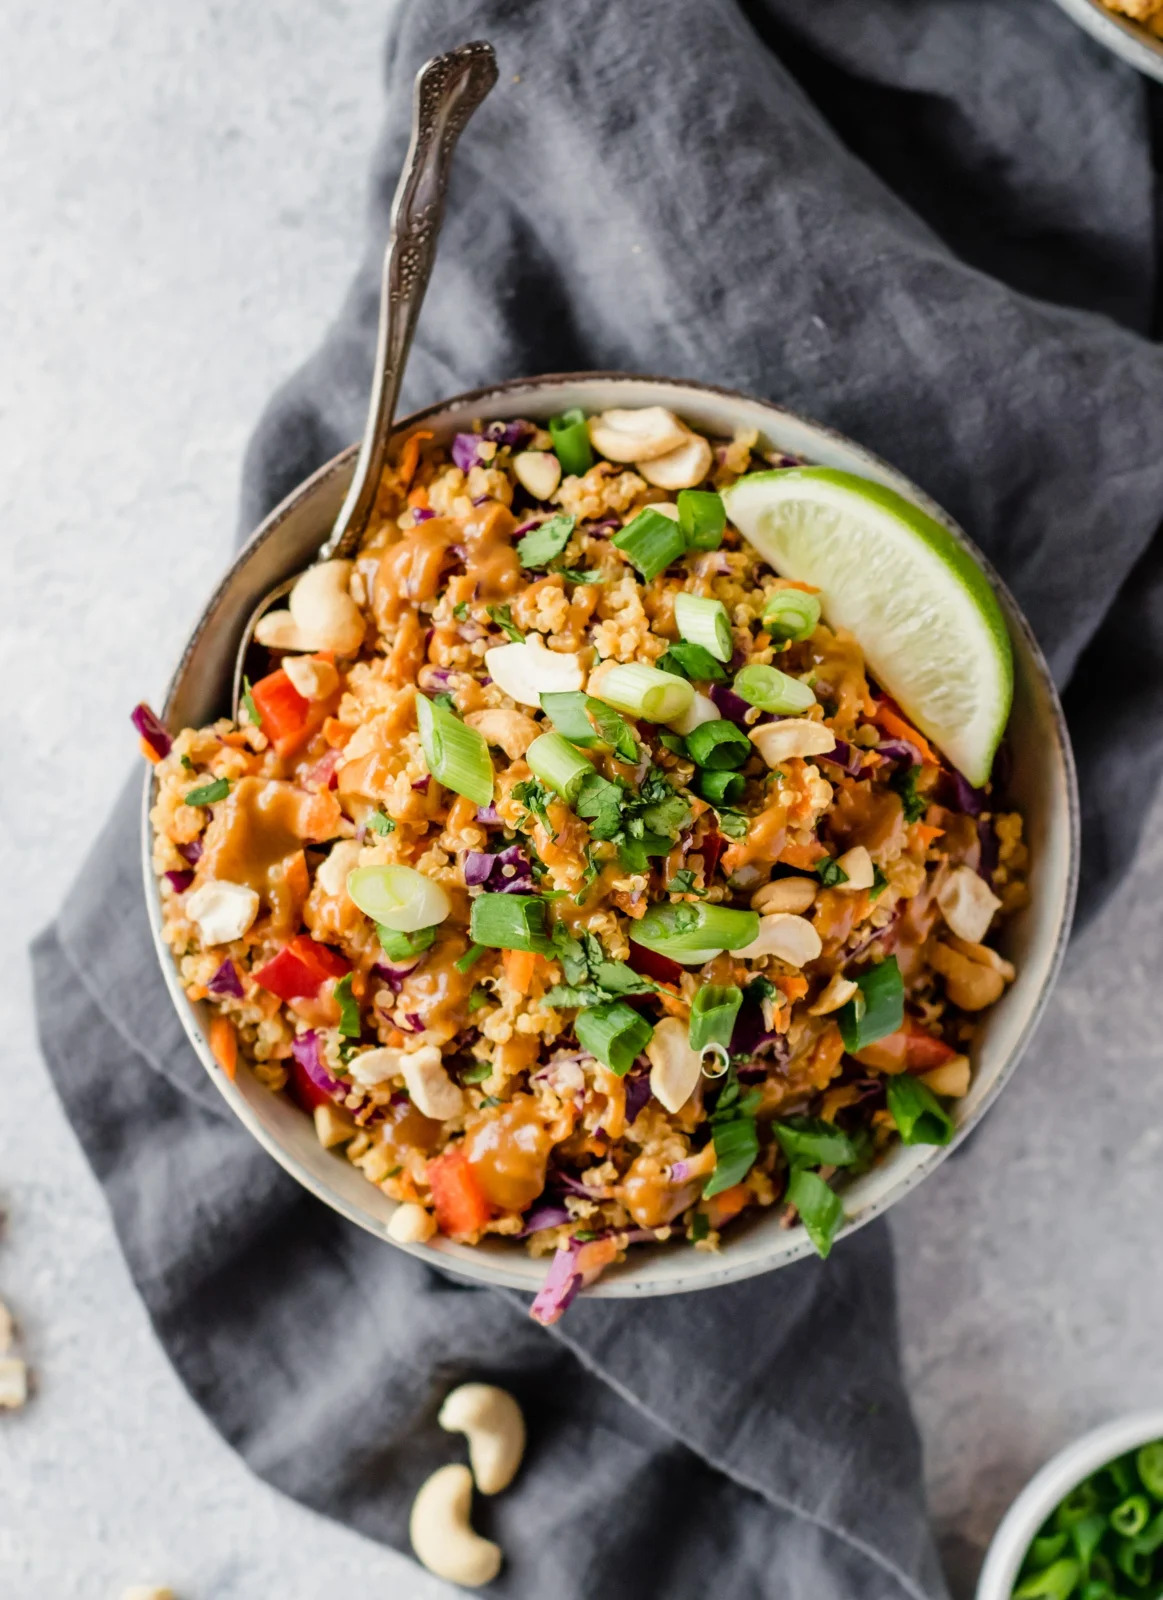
(924, 1051)
(461, 1205)
(712, 847)
(287, 719)
(300, 969)
(323, 775)
(305, 1092)
(649, 964)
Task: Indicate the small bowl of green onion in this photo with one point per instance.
(1089, 1525)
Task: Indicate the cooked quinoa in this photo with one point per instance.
(643, 977)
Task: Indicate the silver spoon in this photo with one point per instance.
(447, 91)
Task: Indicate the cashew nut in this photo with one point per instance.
(332, 1125)
(681, 468)
(432, 1091)
(278, 630)
(342, 858)
(857, 863)
(538, 471)
(527, 671)
(637, 435)
(223, 911)
(786, 894)
(13, 1383)
(950, 1079)
(314, 679)
(511, 731)
(675, 1068)
(836, 993)
(967, 904)
(792, 736)
(665, 508)
(970, 981)
(322, 614)
(791, 938)
(701, 709)
(442, 1535)
(491, 1421)
(411, 1224)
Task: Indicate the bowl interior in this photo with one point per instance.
(1119, 33)
(1042, 787)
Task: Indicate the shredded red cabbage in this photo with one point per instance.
(511, 433)
(637, 1085)
(393, 976)
(899, 750)
(464, 450)
(422, 783)
(305, 1049)
(192, 851)
(547, 1216)
(847, 756)
(750, 1030)
(649, 964)
(226, 981)
(572, 1185)
(506, 872)
(179, 882)
(422, 514)
(732, 705)
(561, 1285)
(151, 730)
(959, 794)
(488, 816)
(988, 855)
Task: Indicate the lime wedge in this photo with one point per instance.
(918, 604)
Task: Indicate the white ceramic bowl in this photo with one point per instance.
(1130, 40)
(1053, 1483)
(1042, 786)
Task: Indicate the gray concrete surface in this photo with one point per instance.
(182, 189)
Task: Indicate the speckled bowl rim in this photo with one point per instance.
(502, 1264)
(1121, 35)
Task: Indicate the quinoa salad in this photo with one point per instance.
(569, 870)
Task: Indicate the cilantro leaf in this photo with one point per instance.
(444, 700)
(879, 883)
(503, 618)
(601, 803)
(349, 1023)
(535, 797)
(209, 793)
(575, 575)
(733, 823)
(830, 873)
(683, 882)
(379, 823)
(548, 539)
(248, 704)
(905, 784)
(694, 661)
(460, 611)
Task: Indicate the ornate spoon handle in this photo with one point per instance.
(448, 90)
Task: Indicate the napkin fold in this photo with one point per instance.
(928, 224)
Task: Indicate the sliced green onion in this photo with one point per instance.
(791, 614)
(1077, 1504)
(1149, 1463)
(821, 1209)
(403, 946)
(548, 539)
(702, 518)
(1151, 1537)
(1131, 1515)
(469, 958)
(721, 788)
(587, 722)
(1045, 1549)
(680, 930)
(400, 898)
(919, 1116)
(210, 793)
(772, 690)
(812, 1142)
(615, 1034)
(694, 661)
(477, 1073)
(457, 756)
(349, 1024)
(1133, 1563)
(555, 761)
(718, 745)
(877, 1010)
(713, 1013)
(571, 442)
(1053, 1583)
(704, 622)
(651, 542)
(736, 1147)
(1086, 1535)
(643, 691)
(510, 922)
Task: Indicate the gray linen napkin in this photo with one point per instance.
(929, 224)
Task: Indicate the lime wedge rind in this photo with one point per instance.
(914, 598)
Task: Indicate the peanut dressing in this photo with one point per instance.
(508, 1148)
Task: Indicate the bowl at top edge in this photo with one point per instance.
(1063, 1472)
(1122, 35)
(1042, 787)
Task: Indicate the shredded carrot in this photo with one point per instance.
(520, 965)
(804, 588)
(296, 877)
(925, 833)
(410, 455)
(900, 729)
(793, 987)
(224, 1044)
(418, 499)
(336, 733)
(803, 856)
(728, 1204)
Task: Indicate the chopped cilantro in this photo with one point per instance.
(593, 867)
(393, 1172)
(503, 618)
(489, 1100)
(548, 539)
(379, 823)
(445, 701)
(478, 998)
(575, 575)
(879, 884)
(733, 823)
(535, 797)
(674, 742)
(248, 704)
(460, 611)
(700, 1226)
(830, 873)
(209, 793)
(905, 784)
(187, 763)
(601, 803)
(349, 1023)
(590, 978)
(683, 882)
(584, 1235)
